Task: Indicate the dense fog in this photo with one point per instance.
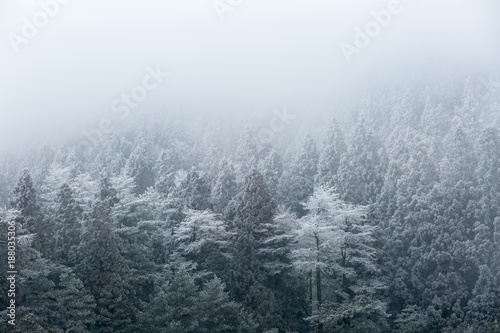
(63, 77)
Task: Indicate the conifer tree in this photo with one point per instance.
(361, 173)
(334, 147)
(69, 229)
(334, 241)
(195, 192)
(103, 269)
(31, 215)
(271, 168)
(297, 183)
(165, 168)
(249, 217)
(225, 187)
(141, 164)
(247, 154)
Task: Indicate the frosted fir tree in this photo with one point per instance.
(179, 305)
(482, 308)
(9, 164)
(31, 215)
(459, 161)
(441, 260)
(146, 238)
(247, 154)
(141, 164)
(194, 192)
(411, 320)
(225, 188)
(435, 120)
(361, 173)
(410, 177)
(399, 153)
(335, 241)
(271, 168)
(85, 189)
(167, 164)
(38, 161)
(102, 268)
(334, 147)
(110, 153)
(26, 202)
(53, 298)
(467, 116)
(252, 208)
(211, 159)
(198, 229)
(173, 306)
(107, 195)
(69, 217)
(249, 217)
(297, 183)
(126, 202)
(488, 177)
(216, 312)
(405, 111)
(57, 297)
(276, 252)
(405, 204)
(151, 206)
(56, 176)
(201, 238)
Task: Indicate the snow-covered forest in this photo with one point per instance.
(386, 220)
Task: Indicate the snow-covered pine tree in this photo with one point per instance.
(335, 249)
(361, 172)
(334, 147)
(225, 188)
(271, 168)
(103, 269)
(297, 183)
(250, 217)
(69, 216)
(31, 215)
(247, 154)
(141, 164)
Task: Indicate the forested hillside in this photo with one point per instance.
(387, 220)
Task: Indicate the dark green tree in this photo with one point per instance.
(141, 164)
(104, 271)
(69, 227)
(297, 183)
(334, 147)
(195, 192)
(225, 187)
(361, 173)
(250, 217)
(31, 215)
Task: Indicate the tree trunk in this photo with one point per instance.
(318, 294)
(318, 283)
(310, 292)
(285, 297)
(343, 263)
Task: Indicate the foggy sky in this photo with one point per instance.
(265, 54)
